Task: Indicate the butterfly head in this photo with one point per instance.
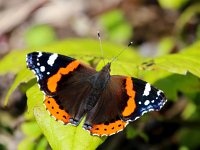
(106, 68)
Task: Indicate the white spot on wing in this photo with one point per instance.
(42, 68)
(146, 102)
(52, 58)
(39, 54)
(147, 89)
(159, 91)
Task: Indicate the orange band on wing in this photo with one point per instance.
(111, 128)
(55, 111)
(52, 81)
(129, 109)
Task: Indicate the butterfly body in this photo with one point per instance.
(74, 90)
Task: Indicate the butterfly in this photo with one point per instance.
(74, 90)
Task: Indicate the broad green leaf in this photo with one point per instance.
(13, 62)
(35, 98)
(175, 83)
(121, 68)
(171, 83)
(42, 145)
(77, 48)
(22, 77)
(183, 62)
(30, 143)
(31, 129)
(26, 144)
(58, 135)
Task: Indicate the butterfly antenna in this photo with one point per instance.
(101, 49)
(121, 52)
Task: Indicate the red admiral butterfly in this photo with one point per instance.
(74, 90)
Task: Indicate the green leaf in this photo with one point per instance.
(22, 77)
(26, 144)
(30, 143)
(13, 62)
(175, 83)
(77, 48)
(31, 129)
(186, 61)
(58, 135)
(42, 145)
(121, 68)
(171, 83)
(35, 98)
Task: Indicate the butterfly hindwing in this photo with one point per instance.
(56, 110)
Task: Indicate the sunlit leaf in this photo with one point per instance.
(42, 145)
(22, 77)
(27, 144)
(77, 48)
(31, 129)
(186, 61)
